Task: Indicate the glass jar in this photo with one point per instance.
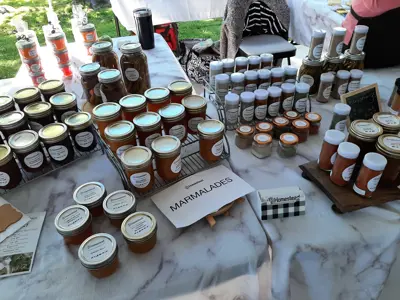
(241, 64)
(91, 195)
(287, 146)
(302, 129)
(358, 39)
(264, 79)
(301, 97)
(216, 67)
(260, 104)
(277, 76)
(316, 44)
(336, 44)
(341, 84)
(157, 98)
(27, 48)
(80, 126)
(90, 82)
(64, 105)
(10, 175)
(120, 136)
(106, 114)
(66, 70)
(74, 224)
(389, 122)
(211, 134)
(228, 66)
(267, 60)
(57, 41)
(281, 126)
(254, 62)
(167, 153)
(345, 163)
(25, 96)
(140, 232)
(62, 57)
(355, 80)
(262, 145)
(37, 78)
(112, 88)
(244, 136)
(174, 121)
(340, 113)
(57, 143)
(148, 126)
(264, 127)
(389, 146)
(138, 166)
(39, 114)
(26, 147)
(179, 89)
(332, 65)
(103, 54)
(231, 110)
(99, 255)
(222, 82)
(132, 105)
(88, 32)
(237, 81)
(325, 87)
(134, 68)
(291, 115)
(394, 100)
(352, 61)
(310, 73)
(6, 104)
(13, 122)
(274, 101)
(195, 107)
(327, 156)
(315, 122)
(118, 205)
(287, 97)
(247, 100)
(51, 87)
(290, 74)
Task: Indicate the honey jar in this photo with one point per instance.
(39, 114)
(51, 87)
(148, 126)
(64, 105)
(80, 126)
(174, 121)
(6, 104)
(132, 105)
(105, 114)
(302, 129)
(91, 195)
(26, 96)
(10, 175)
(315, 122)
(211, 134)
(179, 89)
(157, 98)
(13, 122)
(120, 136)
(196, 107)
(389, 146)
(118, 205)
(167, 153)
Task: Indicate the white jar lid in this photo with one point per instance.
(375, 161)
(319, 33)
(302, 87)
(356, 74)
(334, 137)
(343, 74)
(339, 31)
(253, 60)
(274, 91)
(348, 150)
(290, 70)
(327, 77)
(216, 65)
(237, 77)
(267, 57)
(228, 62)
(241, 60)
(277, 72)
(251, 75)
(232, 98)
(361, 29)
(264, 74)
(261, 94)
(288, 87)
(342, 109)
(222, 78)
(247, 97)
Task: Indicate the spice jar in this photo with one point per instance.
(216, 67)
(247, 107)
(355, 79)
(264, 79)
(27, 48)
(341, 84)
(336, 44)
(174, 121)
(118, 205)
(315, 122)
(241, 63)
(390, 123)
(325, 87)
(389, 146)
(137, 163)
(88, 32)
(74, 224)
(237, 81)
(264, 127)
(281, 126)
(274, 101)
(358, 40)
(332, 64)
(64, 105)
(290, 74)
(267, 60)
(244, 136)
(13, 122)
(291, 115)
(228, 66)
(132, 105)
(167, 153)
(211, 134)
(310, 73)
(6, 104)
(10, 175)
(140, 232)
(344, 164)
(260, 104)
(148, 126)
(57, 143)
(120, 136)
(231, 110)
(250, 81)
(254, 62)
(222, 82)
(317, 44)
(90, 82)
(51, 87)
(277, 76)
(26, 96)
(99, 255)
(301, 97)
(262, 145)
(179, 89)
(287, 146)
(351, 61)
(302, 129)
(103, 54)
(106, 114)
(340, 113)
(287, 97)
(112, 88)
(80, 126)
(157, 98)
(328, 153)
(195, 107)
(370, 174)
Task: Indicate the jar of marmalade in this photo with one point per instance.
(80, 126)
(389, 146)
(174, 121)
(118, 205)
(120, 136)
(390, 123)
(26, 96)
(148, 126)
(91, 195)
(10, 175)
(112, 88)
(132, 105)
(6, 104)
(157, 98)
(51, 87)
(167, 153)
(196, 107)
(211, 134)
(179, 89)
(90, 82)
(13, 122)
(106, 114)
(103, 54)
(64, 105)
(39, 114)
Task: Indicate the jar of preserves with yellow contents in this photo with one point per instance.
(105, 114)
(157, 98)
(120, 136)
(174, 121)
(167, 153)
(179, 89)
(132, 105)
(196, 107)
(148, 126)
(211, 134)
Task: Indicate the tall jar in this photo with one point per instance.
(267, 59)
(132, 105)
(237, 81)
(195, 107)
(340, 113)
(254, 62)
(277, 76)
(179, 89)
(352, 61)
(358, 39)
(336, 43)
(13, 122)
(173, 117)
(264, 79)
(228, 66)
(290, 74)
(287, 97)
(345, 163)
(112, 88)
(222, 83)
(134, 68)
(260, 104)
(389, 146)
(211, 134)
(241, 64)
(64, 105)
(39, 114)
(120, 136)
(10, 175)
(103, 54)
(250, 81)
(232, 110)
(328, 153)
(7, 104)
(247, 107)
(157, 98)
(216, 67)
(389, 122)
(325, 87)
(148, 126)
(317, 44)
(310, 73)
(167, 153)
(106, 114)
(341, 84)
(301, 97)
(355, 80)
(274, 101)
(80, 126)
(26, 96)
(51, 87)
(90, 82)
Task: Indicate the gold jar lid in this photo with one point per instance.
(313, 117)
(5, 154)
(78, 121)
(194, 104)
(388, 121)
(24, 141)
(245, 130)
(365, 130)
(348, 55)
(301, 124)
(172, 112)
(136, 157)
(119, 204)
(90, 194)
(157, 95)
(12, 120)
(51, 86)
(262, 139)
(264, 127)
(119, 131)
(53, 133)
(26, 95)
(106, 111)
(72, 220)
(147, 121)
(139, 227)
(6, 102)
(38, 110)
(63, 100)
(180, 87)
(133, 102)
(210, 129)
(389, 144)
(280, 122)
(166, 146)
(291, 115)
(289, 139)
(308, 62)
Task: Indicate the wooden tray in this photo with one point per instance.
(344, 198)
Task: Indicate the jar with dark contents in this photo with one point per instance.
(51, 87)
(64, 105)
(274, 101)
(341, 84)
(112, 88)
(389, 146)
(13, 122)
(10, 175)
(180, 89)
(91, 195)
(103, 54)
(120, 136)
(251, 80)
(267, 59)
(358, 39)
(157, 98)
(80, 126)
(317, 44)
(288, 90)
(264, 79)
(90, 82)
(332, 64)
(310, 73)
(277, 76)
(336, 44)
(254, 62)
(57, 143)
(315, 122)
(26, 96)
(132, 105)
(6, 104)
(148, 126)
(353, 61)
(260, 104)
(134, 68)
(173, 117)
(301, 97)
(39, 114)
(290, 74)
(325, 87)
(196, 107)
(105, 114)
(27, 148)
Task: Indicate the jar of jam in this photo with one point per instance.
(132, 105)
(287, 146)
(264, 127)
(281, 126)
(157, 98)
(13, 122)
(148, 126)
(288, 90)
(6, 104)
(106, 114)
(196, 107)
(260, 104)
(328, 153)
(91, 195)
(344, 164)
(64, 105)
(88, 32)
(10, 175)
(25, 96)
(267, 60)
(118, 205)
(262, 145)
(167, 153)
(112, 88)
(302, 129)
(39, 114)
(254, 62)
(211, 134)
(103, 54)
(180, 89)
(353, 61)
(57, 40)
(120, 136)
(80, 126)
(244, 136)
(274, 101)
(138, 166)
(389, 146)
(51, 87)
(56, 140)
(291, 115)
(27, 48)
(310, 73)
(389, 122)
(90, 82)
(173, 117)
(315, 122)
(277, 76)
(332, 65)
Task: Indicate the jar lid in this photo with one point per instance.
(277, 72)
(313, 63)
(334, 137)
(231, 99)
(156, 95)
(302, 88)
(90, 194)
(361, 29)
(26, 95)
(348, 150)
(289, 139)
(290, 70)
(264, 73)
(216, 65)
(375, 161)
(223, 78)
(86, 27)
(90, 69)
(365, 130)
(142, 12)
(119, 204)
(228, 62)
(261, 94)
(245, 130)
(37, 109)
(131, 48)
(210, 128)
(301, 124)
(266, 57)
(291, 115)
(172, 112)
(166, 145)
(97, 251)
(120, 130)
(327, 77)
(264, 127)
(12, 119)
(23, 44)
(357, 57)
(194, 103)
(6, 102)
(5, 154)
(318, 33)
(288, 87)
(339, 31)
(237, 77)
(313, 117)
(389, 144)
(136, 157)
(133, 102)
(55, 36)
(241, 60)
(78, 121)
(387, 120)
(253, 59)
(250, 75)
(147, 120)
(53, 133)
(356, 74)
(72, 220)
(63, 100)
(280, 121)
(343, 74)
(51, 86)
(24, 141)
(247, 97)
(109, 76)
(139, 227)
(180, 87)
(274, 91)
(342, 109)
(106, 111)
(101, 47)
(263, 138)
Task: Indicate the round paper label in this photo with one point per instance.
(312, 116)
(354, 85)
(307, 79)
(341, 125)
(373, 183)
(346, 174)
(218, 148)
(89, 193)
(90, 37)
(280, 120)
(263, 138)
(289, 138)
(390, 120)
(232, 115)
(193, 122)
(317, 51)
(176, 165)
(32, 53)
(261, 112)
(339, 48)
(245, 129)
(360, 44)
(96, 90)
(119, 202)
(4, 179)
(139, 226)
(273, 109)
(342, 88)
(59, 152)
(72, 218)
(34, 160)
(327, 92)
(131, 74)
(150, 139)
(367, 127)
(333, 158)
(178, 130)
(140, 180)
(301, 105)
(301, 123)
(264, 126)
(97, 249)
(248, 113)
(287, 104)
(392, 142)
(84, 139)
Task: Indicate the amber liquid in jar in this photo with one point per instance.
(10, 175)
(169, 164)
(132, 106)
(211, 133)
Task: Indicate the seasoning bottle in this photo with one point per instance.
(358, 40)
(157, 98)
(105, 114)
(325, 87)
(7, 104)
(91, 195)
(355, 79)
(254, 62)
(132, 105)
(244, 136)
(216, 67)
(310, 73)
(90, 82)
(302, 129)
(173, 117)
(241, 63)
(353, 61)
(80, 126)
(119, 205)
(389, 146)
(394, 101)
(26, 96)
(251, 80)
(237, 82)
(179, 89)
(64, 105)
(103, 54)
(112, 88)
(10, 174)
(281, 126)
(264, 79)
(138, 166)
(231, 110)
(221, 86)
(287, 97)
(167, 154)
(340, 113)
(344, 164)
(277, 76)
(262, 145)
(389, 122)
(148, 126)
(291, 115)
(260, 104)
(336, 44)
(228, 66)
(317, 44)
(315, 122)
(301, 97)
(264, 127)
(274, 101)
(39, 114)
(267, 60)
(13, 122)
(51, 87)
(134, 68)
(196, 107)
(211, 134)
(247, 107)
(287, 146)
(120, 136)
(370, 174)
(290, 74)
(328, 153)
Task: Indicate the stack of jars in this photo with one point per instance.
(89, 36)
(58, 42)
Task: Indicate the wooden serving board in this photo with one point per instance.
(344, 198)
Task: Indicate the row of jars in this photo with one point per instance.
(58, 43)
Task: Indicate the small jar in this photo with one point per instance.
(302, 129)
(222, 82)
(264, 79)
(277, 76)
(345, 163)
(251, 80)
(216, 67)
(317, 44)
(264, 127)
(237, 82)
(80, 126)
(179, 89)
(267, 60)
(51, 87)
(351, 62)
(336, 44)
(39, 114)
(287, 146)
(157, 98)
(57, 41)
(254, 62)
(105, 114)
(260, 104)
(195, 107)
(173, 117)
(291, 115)
(57, 143)
(288, 90)
(26, 96)
(103, 54)
(247, 107)
(118, 205)
(244, 136)
(355, 80)
(120, 136)
(228, 66)
(231, 110)
(211, 134)
(10, 175)
(74, 224)
(358, 40)
(341, 84)
(137, 163)
(340, 113)
(167, 154)
(88, 32)
(241, 64)
(370, 174)
(315, 122)
(27, 48)
(301, 97)
(132, 105)
(90, 82)
(91, 195)
(332, 65)
(290, 74)
(325, 87)
(13, 122)
(389, 122)
(7, 104)
(281, 126)
(148, 126)
(64, 105)
(328, 153)
(62, 57)
(140, 232)
(112, 88)
(274, 101)
(262, 145)
(310, 73)
(389, 146)
(99, 255)
(25, 144)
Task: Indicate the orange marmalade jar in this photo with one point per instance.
(211, 133)
(132, 105)
(174, 121)
(157, 98)
(167, 152)
(91, 195)
(118, 205)
(196, 107)
(179, 89)
(120, 136)
(148, 126)
(105, 114)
